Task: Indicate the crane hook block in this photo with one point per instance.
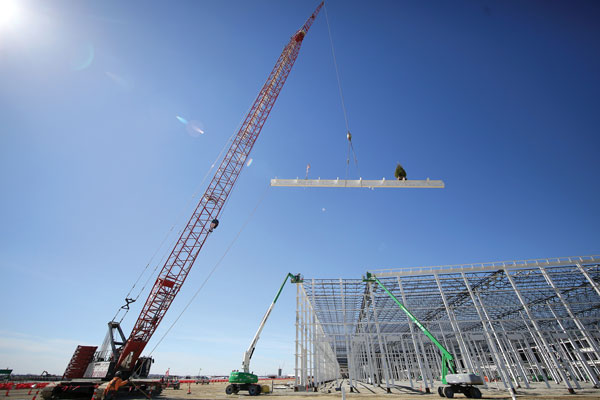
(349, 136)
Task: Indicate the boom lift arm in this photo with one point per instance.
(245, 380)
(448, 365)
(248, 353)
(459, 383)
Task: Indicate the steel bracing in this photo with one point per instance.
(515, 323)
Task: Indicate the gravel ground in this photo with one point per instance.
(281, 390)
(217, 391)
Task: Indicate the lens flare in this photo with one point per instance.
(249, 163)
(195, 128)
(120, 81)
(82, 57)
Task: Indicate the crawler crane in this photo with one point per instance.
(88, 370)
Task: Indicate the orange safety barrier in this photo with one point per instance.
(23, 385)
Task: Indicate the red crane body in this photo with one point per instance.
(183, 255)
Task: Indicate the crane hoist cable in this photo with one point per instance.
(129, 300)
(193, 199)
(210, 274)
(214, 269)
(351, 149)
(339, 82)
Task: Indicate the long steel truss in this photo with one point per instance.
(515, 323)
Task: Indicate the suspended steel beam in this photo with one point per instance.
(360, 183)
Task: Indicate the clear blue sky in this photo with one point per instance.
(497, 98)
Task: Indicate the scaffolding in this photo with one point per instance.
(514, 323)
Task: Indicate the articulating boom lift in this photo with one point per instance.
(459, 383)
(123, 355)
(245, 380)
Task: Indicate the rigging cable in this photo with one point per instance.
(192, 200)
(213, 269)
(337, 74)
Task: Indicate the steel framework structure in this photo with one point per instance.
(515, 323)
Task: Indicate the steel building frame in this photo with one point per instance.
(515, 323)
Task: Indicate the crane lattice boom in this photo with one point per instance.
(183, 255)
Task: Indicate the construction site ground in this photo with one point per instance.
(284, 390)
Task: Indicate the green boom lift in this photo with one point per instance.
(245, 380)
(458, 383)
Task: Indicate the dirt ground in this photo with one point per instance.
(217, 391)
(283, 390)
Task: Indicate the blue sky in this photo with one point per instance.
(497, 98)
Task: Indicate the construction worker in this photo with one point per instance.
(400, 173)
(113, 386)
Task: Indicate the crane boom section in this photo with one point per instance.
(195, 233)
(447, 357)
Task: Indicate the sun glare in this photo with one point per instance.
(9, 12)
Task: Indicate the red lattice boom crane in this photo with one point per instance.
(196, 232)
(176, 268)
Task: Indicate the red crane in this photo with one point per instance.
(205, 216)
(121, 356)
